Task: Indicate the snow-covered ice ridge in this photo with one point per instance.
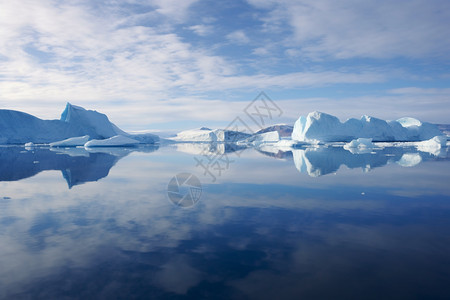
(75, 127)
(318, 127)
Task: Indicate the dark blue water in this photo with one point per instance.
(319, 223)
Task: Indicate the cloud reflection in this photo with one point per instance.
(121, 237)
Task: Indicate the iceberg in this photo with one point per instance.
(433, 145)
(19, 128)
(261, 138)
(360, 145)
(71, 142)
(266, 137)
(115, 141)
(206, 135)
(89, 122)
(318, 127)
(196, 135)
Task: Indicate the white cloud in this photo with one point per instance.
(261, 51)
(238, 37)
(201, 29)
(376, 29)
(176, 9)
(411, 91)
(52, 52)
(92, 60)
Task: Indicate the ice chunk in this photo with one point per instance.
(210, 135)
(360, 145)
(115, 141)
(29, 144)
(71, 142)
(196, 135)
(267, 137)
(262, 138)
(433, 145)
(318, 127)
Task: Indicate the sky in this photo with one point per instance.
(179, 64)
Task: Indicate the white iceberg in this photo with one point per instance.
(19, 128)
(206, 135)
(71, 142)
(115, 141)
(196, 135)
(261, 138)
(266, 137)
(318, 127)
(433, 145)
(82, 120)
(361, 143)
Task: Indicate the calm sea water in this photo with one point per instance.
(313, 223)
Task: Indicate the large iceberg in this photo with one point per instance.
(319, 127)
(20, 128)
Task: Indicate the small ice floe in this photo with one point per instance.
(361, 145)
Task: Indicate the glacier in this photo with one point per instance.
(19, 128)
(319, 127)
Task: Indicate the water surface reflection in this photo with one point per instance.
(263, 231)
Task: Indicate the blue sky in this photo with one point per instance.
(178, 64)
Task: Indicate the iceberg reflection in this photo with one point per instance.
(80, 165)
(319, 161)
(77, 165)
